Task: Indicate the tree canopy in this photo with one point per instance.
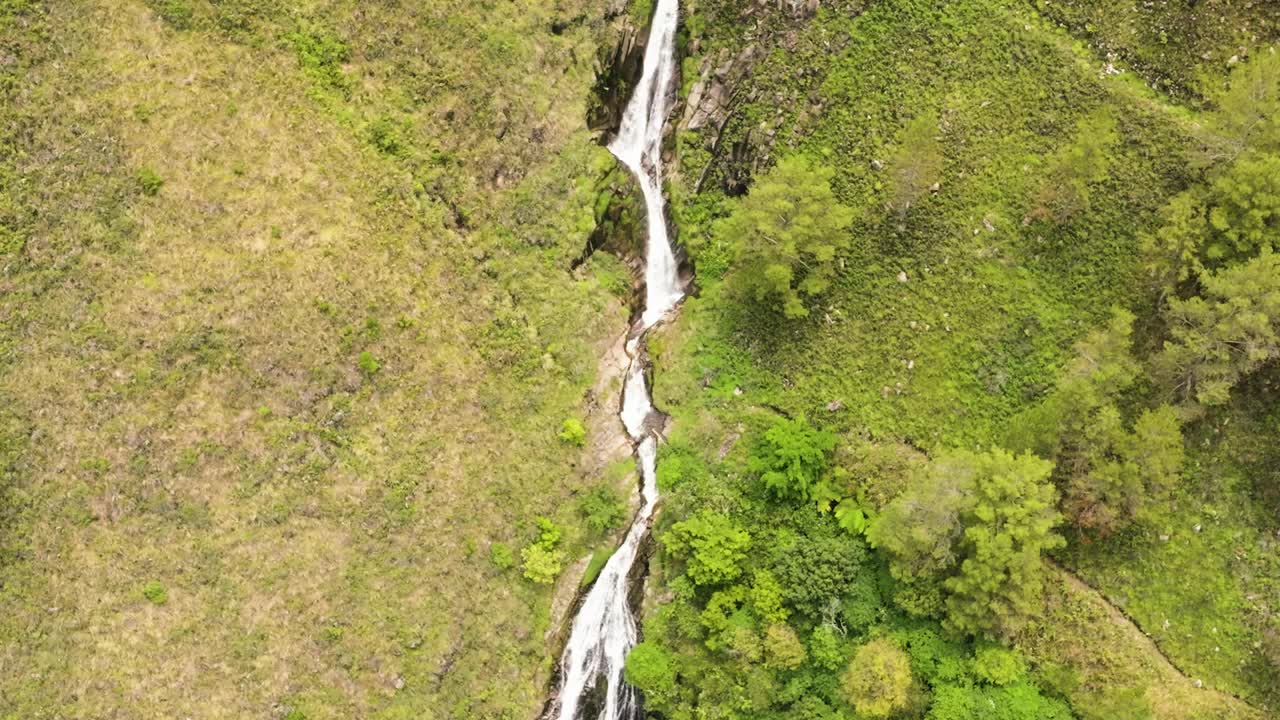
(712, 546)
(792, 457)
(878, 681)
(977, 522)
(785, 234)
(1223, 335)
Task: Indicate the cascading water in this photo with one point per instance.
(604, 629)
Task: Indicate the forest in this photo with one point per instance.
(312, 313)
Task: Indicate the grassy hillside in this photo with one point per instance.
(946, 320)
(288, 339)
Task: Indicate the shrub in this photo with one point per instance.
(321, 55)
(542, 565)
(602, 508)
(155, 593)
(792, 458)
(368, 364)
(542, 561)
(177, 13)
(712, 546)
(150, 182)
(501, 556)
(573, 432)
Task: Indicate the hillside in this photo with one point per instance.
(289, 338)
(314, 318)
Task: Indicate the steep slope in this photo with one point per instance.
(289, 335)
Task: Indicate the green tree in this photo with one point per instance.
(1016, 702)
(1172, 254)
(711, 545)
(1085, 161)
(766, 598)
(1246, 210)
(1221, 337)
(785, 234)
(792, 458)
(921, 529)
(996, 665)
(817, 572)
(824, 648)
(978, 522)
(782, 647)
(916, 165)
(998, 585)
(878, 681)
(1109, 471)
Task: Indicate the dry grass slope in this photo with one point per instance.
(302, 384)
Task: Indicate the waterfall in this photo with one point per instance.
(604, 629)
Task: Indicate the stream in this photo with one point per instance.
(604, 629)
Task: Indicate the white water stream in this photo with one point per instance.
(604, 629)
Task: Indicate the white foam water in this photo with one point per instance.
(604, 629)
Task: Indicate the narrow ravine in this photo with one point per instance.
(604, 629)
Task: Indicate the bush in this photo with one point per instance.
(542, 561)
(155, 593)
(1116, 704)
(321, 55)
(542, 565)
(712, 546)
(501, 556)
(150, 182)
(368, 364)
(177, 13)
(573, 432)
(602, 508)
(792, 458)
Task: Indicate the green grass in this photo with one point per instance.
(1184, 49)
(1201, 574)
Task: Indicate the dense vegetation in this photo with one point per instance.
(974, 412)
(1049, 297)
